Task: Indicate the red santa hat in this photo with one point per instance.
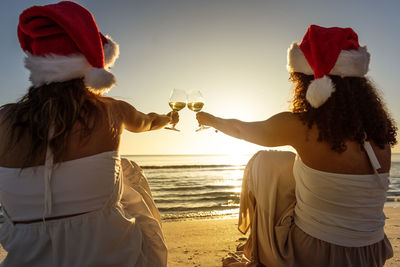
(62, 42)
(327, 51)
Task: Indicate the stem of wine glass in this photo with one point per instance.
(202, 127)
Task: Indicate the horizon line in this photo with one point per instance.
(183, 154)
(202, 154)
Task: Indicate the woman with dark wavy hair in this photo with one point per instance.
(68, 198)
(323, 206)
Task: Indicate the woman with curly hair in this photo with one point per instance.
(323, 206)
(68, 197)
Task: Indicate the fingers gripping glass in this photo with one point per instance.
(177, 101)
(196, 103)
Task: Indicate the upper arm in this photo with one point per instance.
(281, 129)
(132, 119)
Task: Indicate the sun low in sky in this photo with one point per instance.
(233, 51)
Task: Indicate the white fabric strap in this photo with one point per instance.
(48, 169)
(375, 163)
(372, 157)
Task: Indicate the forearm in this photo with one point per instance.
(281, 129)
(232, 127)
(157, 121)
(136, 121)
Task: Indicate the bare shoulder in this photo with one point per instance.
(130, 118)
(109, 101)
(116, 104)
(124, 105)
(119, 108)
(287, 116)
(125, 110)
(285, 128)
(288, 121)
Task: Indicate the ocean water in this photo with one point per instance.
(394, 188)
(190, 186)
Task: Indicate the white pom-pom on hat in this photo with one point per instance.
(319, 91)
(99, 80)
(111, 52)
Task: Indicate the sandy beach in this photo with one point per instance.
(205, 242)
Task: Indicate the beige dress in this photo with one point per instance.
(120, 225)
(267, 207)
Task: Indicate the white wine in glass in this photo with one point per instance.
(195, 106)
(177, 101)
(196, 103)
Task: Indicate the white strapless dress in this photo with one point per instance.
(120, 225)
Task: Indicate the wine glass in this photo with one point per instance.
(177, 101)
(196, 103)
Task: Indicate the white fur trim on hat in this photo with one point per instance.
(350, 63)
(56, 68)
(319, 91)
(111, 52)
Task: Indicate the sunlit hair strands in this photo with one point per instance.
(355, 109)
(62, 105)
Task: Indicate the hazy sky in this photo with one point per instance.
(234, 51)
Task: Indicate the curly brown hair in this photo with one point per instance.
(61, 104)
(353, 110)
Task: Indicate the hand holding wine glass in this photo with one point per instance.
(205, 118)
(177, 101)
(173, 117)
(196, 103)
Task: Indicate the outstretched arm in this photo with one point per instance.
(281, 129)
(136, 121)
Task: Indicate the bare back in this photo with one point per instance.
(102, 139)
(320, 156)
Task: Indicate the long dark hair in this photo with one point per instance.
(353, 110)
(61, 104)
